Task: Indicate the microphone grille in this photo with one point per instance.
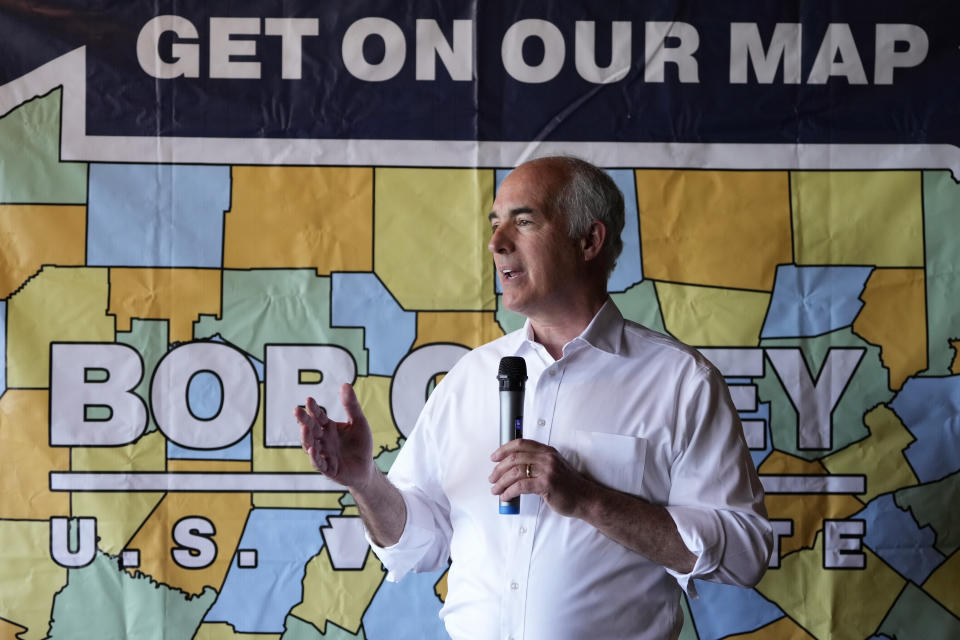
(513, 367)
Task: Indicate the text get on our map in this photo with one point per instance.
(232, 47)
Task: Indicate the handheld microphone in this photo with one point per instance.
(512, 376)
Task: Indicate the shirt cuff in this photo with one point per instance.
(702, 533)
(415, 541)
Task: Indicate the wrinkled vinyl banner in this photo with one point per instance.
(209, 210)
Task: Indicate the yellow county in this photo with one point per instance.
(858, 218)
(718, 228)
(432, 232)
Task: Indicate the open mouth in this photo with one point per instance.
(509, 274)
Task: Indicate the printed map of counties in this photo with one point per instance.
(828, 299)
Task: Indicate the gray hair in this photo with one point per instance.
(590, 194)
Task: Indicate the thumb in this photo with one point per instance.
(348, 398)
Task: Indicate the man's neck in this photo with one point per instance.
(557, 329)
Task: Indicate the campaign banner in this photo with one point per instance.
(211, 210)
(795, 80)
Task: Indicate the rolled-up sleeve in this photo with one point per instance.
(716, 499)
(424, 544)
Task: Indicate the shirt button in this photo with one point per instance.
(541, 422)
(553, 372)
(514, 586)
(523, 530)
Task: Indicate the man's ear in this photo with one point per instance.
(592, 242)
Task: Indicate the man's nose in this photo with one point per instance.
(500, 241)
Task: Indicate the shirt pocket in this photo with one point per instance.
(612, 459)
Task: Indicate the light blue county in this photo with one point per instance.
(156, 215)
(893, 534)
(257, 600)
(361, 300)
(629, 269)
(406, 610)
(930, 409)
(811, 301)
(723, 610)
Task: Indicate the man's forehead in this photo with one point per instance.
(529, 187)
(546, 173)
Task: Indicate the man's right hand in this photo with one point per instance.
(342, 451)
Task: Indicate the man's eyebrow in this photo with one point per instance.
(513, 212)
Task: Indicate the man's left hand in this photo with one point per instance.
(551, 477)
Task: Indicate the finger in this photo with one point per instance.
(304, 433)
(318, 412)
(348, 398)
(517, 446)
(312, 432)
(302, 416)
(519, 487)
(518, 459)
(307, 425)
(312, 443)
(515, 490)
(507, 477)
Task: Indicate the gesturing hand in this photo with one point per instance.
(564, 489)
(342, 451)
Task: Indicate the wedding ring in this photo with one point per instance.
(527, 471)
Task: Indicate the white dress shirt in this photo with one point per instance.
(632, 408)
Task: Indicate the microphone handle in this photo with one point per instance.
(511, 428)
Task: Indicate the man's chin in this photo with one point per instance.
(513, 303)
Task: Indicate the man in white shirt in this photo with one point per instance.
(633, 469)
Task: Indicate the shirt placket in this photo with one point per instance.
(537, 426)
(513, 601)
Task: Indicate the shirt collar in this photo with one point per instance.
(605, 331)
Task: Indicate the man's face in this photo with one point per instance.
(537, 261)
